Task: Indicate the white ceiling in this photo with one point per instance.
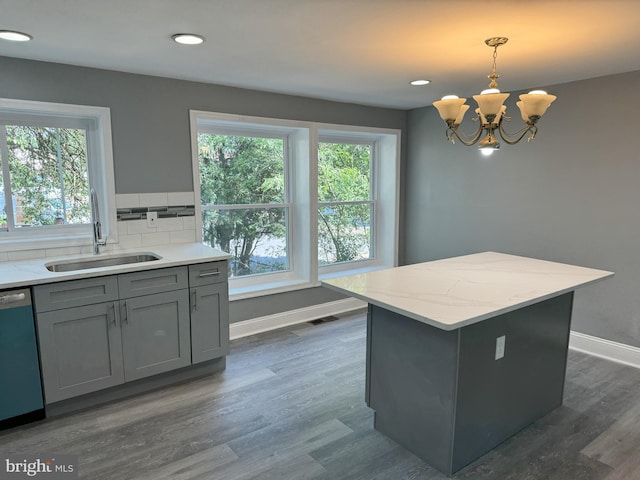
(360, 51)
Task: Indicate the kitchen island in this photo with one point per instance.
(463, 353)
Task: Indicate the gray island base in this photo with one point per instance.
(454, 373)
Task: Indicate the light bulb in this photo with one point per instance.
(188, 38)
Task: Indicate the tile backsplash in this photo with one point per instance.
(176, 219)
(176, 223)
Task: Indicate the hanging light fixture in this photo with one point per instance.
(491, 111)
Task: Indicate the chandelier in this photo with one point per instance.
(491, 111)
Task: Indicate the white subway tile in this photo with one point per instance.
(152, 239)
(127, 200)
(128, 241)
(181, 198)
(169, 224)
(153, 199)
(137, 226)
(189, 223)
(183, 236)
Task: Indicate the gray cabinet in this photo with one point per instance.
(79, 336)
(209, 311)
(100, 332)
(155, 333)
(144, 330)
(209, 322)
(80, 350)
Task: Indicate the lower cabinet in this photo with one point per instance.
(80, 350)
(126, 327)
(155, 334)
(209, 322)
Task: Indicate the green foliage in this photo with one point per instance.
(48, 169)
(344, 231)
(237, 170)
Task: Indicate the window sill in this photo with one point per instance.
(272, 288)
(268, 288)
(352, 271)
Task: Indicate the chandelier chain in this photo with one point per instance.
(494, 76)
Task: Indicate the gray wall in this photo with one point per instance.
(150, 127)
(571, 195)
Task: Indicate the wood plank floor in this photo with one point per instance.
(290, 406)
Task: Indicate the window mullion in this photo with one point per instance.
(4, 153)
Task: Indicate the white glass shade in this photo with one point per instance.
(449, 109)
(523, 112)
(490, 103)
(496, 120)
(536, 103)
(461, 113)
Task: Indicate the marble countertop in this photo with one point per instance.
(459, 291)
(34, 272)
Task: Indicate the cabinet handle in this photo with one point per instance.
(126, 312)
(194, 296)
(113, 313)
(213, 273)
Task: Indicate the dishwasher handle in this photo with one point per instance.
(15, 298)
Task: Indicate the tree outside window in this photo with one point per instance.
(47, 180)
(345, 203)
(244, 200)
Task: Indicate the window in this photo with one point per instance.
(51, 156)
(243, 191)
(345, 202)
(294, 202)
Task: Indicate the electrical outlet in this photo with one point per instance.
(152, 219)
(500, 342)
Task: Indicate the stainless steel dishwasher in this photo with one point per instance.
(21, 398)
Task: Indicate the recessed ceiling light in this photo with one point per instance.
(15, 36)
(188, 38)
(421, 82)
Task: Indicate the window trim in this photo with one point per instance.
(303, 196)
(97, 121)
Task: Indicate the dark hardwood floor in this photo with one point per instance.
(290, 406)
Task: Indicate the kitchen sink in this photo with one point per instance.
(98, 262)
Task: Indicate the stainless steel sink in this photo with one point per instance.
(98, 262)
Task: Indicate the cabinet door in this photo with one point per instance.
(155, 333)
(80, 349)
(209, 322)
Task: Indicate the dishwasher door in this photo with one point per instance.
(21, 398)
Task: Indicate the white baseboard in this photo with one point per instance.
(292, 317)
(599, 347)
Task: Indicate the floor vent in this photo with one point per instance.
(320, 321)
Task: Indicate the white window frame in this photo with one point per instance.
(302, 172)
(97, 122)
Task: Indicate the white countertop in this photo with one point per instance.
(34, 272)
(459, 291)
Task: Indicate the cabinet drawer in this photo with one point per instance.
(152, 281)
(75, 293)
(207, 273)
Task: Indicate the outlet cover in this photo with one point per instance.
(500, 343)
(152, 219)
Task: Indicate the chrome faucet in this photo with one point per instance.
(98, 241)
